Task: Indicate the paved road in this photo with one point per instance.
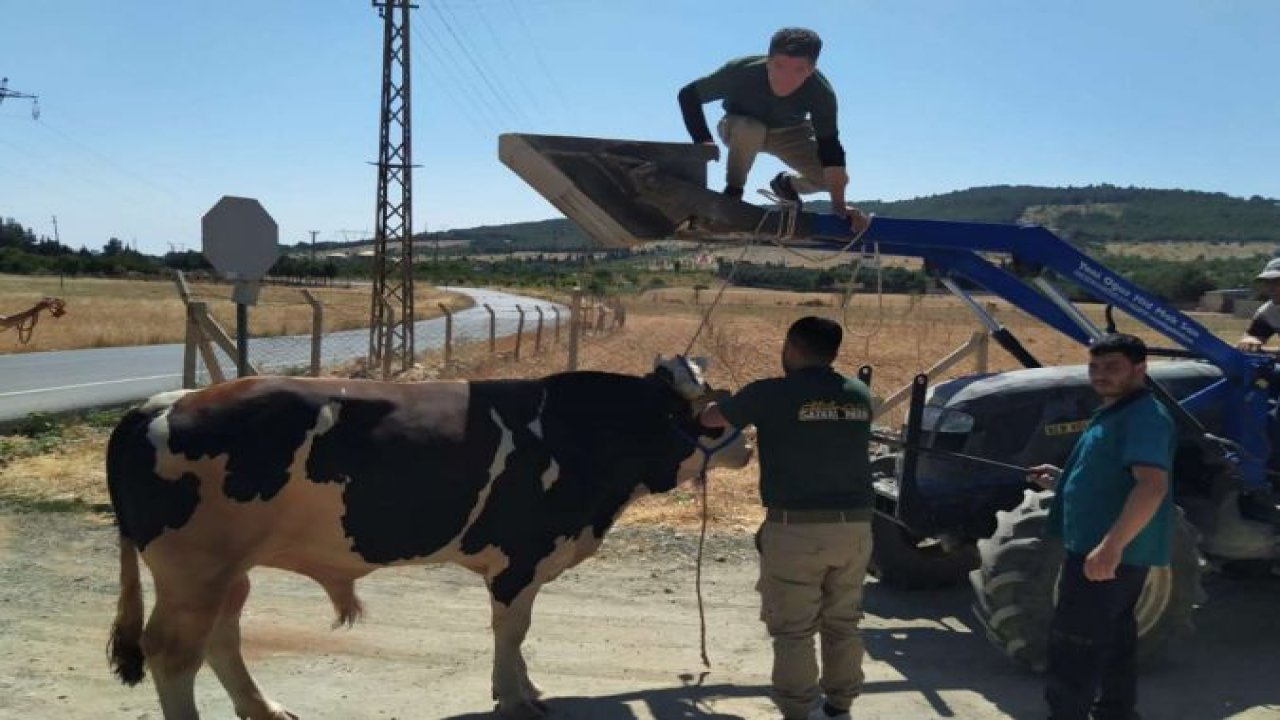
(75, 379)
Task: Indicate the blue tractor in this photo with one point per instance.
(953, 501)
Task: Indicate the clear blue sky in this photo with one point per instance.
(152, 111)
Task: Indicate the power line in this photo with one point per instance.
(502, 48)
(105, 160)
(537, 54)
(484, 76)
(476, 102)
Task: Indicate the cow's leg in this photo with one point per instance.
(223, 655)
(517, 696)
(174, 642)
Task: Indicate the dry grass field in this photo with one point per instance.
(1193, 250)
(897, 337)
(108, 313)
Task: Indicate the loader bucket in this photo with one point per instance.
(624, 192)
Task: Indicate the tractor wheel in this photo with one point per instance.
(903, 561)
(1016, 586)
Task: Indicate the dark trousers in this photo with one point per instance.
(1092, 645)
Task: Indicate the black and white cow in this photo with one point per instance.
(516, 480)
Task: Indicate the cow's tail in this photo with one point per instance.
(125, 647)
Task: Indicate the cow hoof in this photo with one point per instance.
(529, 709)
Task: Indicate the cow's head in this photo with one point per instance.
(685, 379)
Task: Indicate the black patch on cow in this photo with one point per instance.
(409, 486)
(608, 434)
(145, 504)
(259, 430)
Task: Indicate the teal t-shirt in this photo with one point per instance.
(813, 428)
(1097, 478)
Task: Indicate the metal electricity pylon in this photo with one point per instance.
(5, 92)
(391, 312)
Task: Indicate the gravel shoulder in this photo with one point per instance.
(615, 639)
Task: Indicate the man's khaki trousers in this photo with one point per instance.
(811, 578)
(796, 146)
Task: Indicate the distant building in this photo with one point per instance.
(1226, 301)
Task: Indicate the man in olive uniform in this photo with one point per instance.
(813, 428)
(782, 105)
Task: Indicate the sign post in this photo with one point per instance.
(242, 241)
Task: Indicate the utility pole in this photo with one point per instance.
(313, 245)
(5, 92)
(55, 230)
(391, 314)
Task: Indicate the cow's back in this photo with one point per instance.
(298, 473)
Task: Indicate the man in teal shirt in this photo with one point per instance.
(782, 105)
(1114, 512)
(813, 429)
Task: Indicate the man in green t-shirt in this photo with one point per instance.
(813, 427)
(1114, 513)
(781, 105)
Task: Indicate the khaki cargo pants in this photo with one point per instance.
(795, 146)
(811, 577)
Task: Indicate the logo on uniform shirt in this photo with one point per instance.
(830, 410)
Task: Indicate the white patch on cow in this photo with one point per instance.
(550, 475)
(158, 428)
(535, 427)
(686, 375)
(327, 418)
(505, 447)
(158, 431)
(163, 400)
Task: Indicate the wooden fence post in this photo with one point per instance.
(556, 310)
(493, 330)
(537, 339)
(970, 346)
(189, 349)
(575, 328)
(317, 330)
(184, 290)
(448, 334)
(519, 331)
(204, 323)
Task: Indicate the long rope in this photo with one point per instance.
(847, 299)
(702, 538)
(706, 316)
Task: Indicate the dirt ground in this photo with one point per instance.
(616, 639)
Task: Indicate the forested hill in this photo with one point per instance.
(1104, 213)
(1091, 214)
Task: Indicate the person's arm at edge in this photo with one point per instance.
(1256, 336)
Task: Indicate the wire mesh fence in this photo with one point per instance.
(496, 334)
(503, 336)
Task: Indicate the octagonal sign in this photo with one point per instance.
(239, 238)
